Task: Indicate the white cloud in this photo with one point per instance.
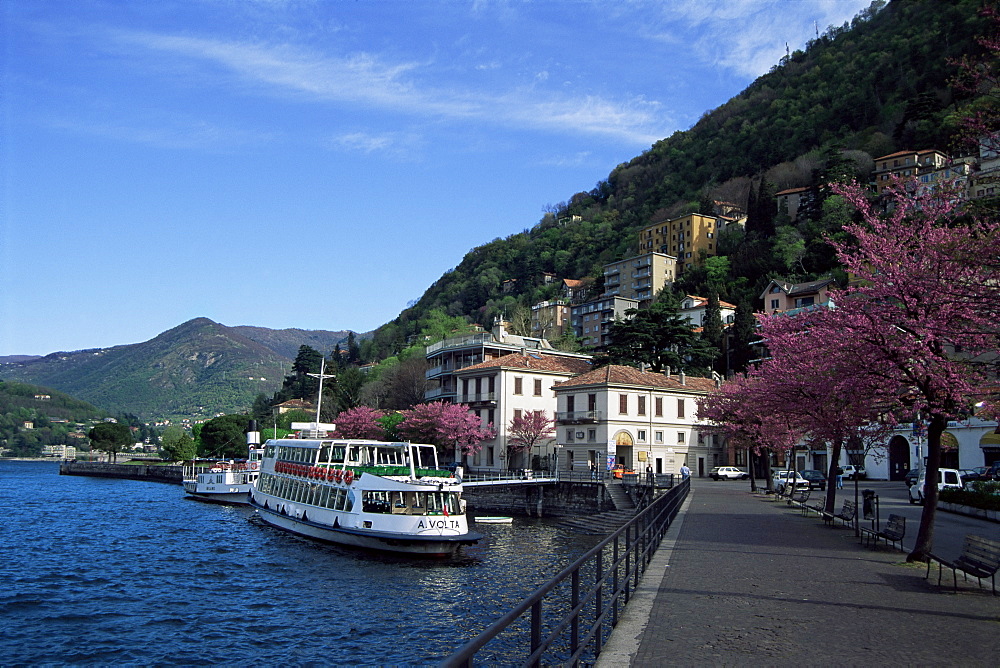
(748, 37)
(371, 82)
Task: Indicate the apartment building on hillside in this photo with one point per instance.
(592, 320)
(550, 319)
(683, 238)
(639, 277)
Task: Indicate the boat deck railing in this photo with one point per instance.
(568, 620)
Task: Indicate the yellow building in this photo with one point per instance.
(683, 238)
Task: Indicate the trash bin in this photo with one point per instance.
(868, 504)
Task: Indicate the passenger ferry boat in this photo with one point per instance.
(370, 494)
(227, 481)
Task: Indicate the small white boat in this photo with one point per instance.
(494, 520)
(227, 481)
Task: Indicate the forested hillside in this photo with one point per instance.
(199, 368)
(51, 414)
(857, 92)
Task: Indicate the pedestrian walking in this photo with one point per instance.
(840, 478)
(685, 471)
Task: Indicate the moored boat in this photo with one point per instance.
(228, 481)
(494, 520)
(370, 494)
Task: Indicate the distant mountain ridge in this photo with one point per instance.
(197, 369)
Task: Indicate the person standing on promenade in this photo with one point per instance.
(685, 471)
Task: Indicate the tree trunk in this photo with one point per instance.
(925, 533)
(831, 477)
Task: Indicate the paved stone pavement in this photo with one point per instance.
(744, 580)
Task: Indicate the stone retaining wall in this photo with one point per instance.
(167, 474)
(561, 499)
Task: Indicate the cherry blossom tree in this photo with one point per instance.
(360, 422)
(527, 430)
(736, 412)
(818, 376)
(451, 427)
(923, 309)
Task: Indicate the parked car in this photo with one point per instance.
(851, 472)
(781, 480)
(728, 473)
(816, 478)
(968, 475)
(947, 479)
(911, 477)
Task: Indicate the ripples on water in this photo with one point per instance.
(100, 571)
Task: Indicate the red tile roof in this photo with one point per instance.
(534, 361)
(614, 374)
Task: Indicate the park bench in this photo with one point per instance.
(798, 497)
(895, 529)
(980, 558)
(846, 514)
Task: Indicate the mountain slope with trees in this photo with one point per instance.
(859, 91)
(199, 368)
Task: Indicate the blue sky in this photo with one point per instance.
(318, 164)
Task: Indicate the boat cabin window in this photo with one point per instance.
(411, 503)
(426, 456)
(389, 456)
(338, 454)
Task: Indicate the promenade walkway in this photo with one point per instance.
(744, 580)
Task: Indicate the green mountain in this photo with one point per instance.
(286, 342)
(53, 417)
(859, 91)
(197, 369)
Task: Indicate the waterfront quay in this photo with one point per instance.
(743, 579)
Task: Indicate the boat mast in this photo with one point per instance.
(321, 376)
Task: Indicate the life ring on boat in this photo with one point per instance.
(254, 466)
(348, 477)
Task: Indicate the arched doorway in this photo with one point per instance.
(623, 449)
(990, 443)
(899, 457)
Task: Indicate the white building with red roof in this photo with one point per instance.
(642, 420)
(498, 390)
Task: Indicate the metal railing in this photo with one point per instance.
(568, 620)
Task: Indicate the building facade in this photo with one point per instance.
(642, 420)
(683, 238)
(592, 320)
(551, 319)
(783, 296)
(499, 390)
(639, 277)
(446, 357)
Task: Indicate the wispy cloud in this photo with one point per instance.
(162, 131)
(366, 80)
(749, 37)
(399, 145)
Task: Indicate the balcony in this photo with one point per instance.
(438, 393)
(477, 398)
(578, 417)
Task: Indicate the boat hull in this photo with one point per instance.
(428, 546)
(237, 495)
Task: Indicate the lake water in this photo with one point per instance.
(103, 571)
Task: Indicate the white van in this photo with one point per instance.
(947, 479)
